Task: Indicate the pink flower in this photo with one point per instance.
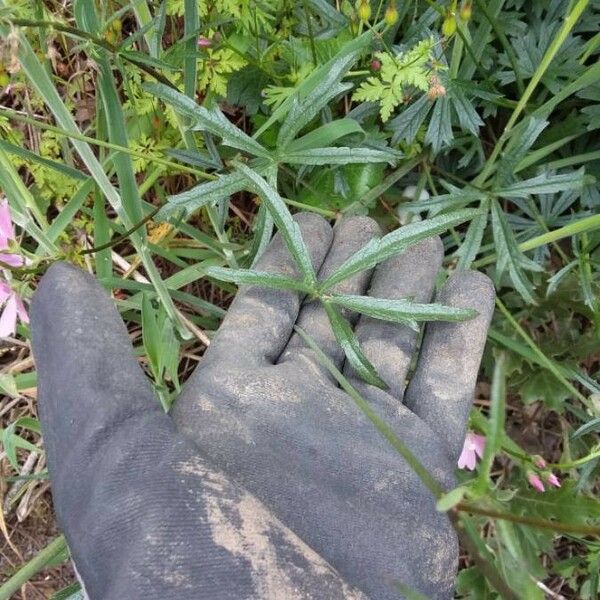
(539, 462)
(204, 42)
(474, 447)
(7, 231)
(14, 260)
(13, 308)
(535, 481)
(552, 479)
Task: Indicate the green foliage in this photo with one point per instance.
(116, 111)
(398, 75)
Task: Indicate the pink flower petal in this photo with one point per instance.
(478, 443)
(8, 319)
(21, 310)
(5, 291)
(14, 260)
(7, 231)
(467, 459)
(552, 479)
(535, 482)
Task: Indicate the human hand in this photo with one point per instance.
(278, 447)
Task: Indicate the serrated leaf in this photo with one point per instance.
(349, 343)
(545, 184)
(341, 156)
(467, 115)
(439, 133)
(401, 311)
(288, 228)
(472, 241)
(303, 111)
(509, 255)
(203, 194)
(213, 121)
(379, 249)
(406, 125)
(251, 277)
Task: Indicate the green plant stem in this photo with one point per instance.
(34, 566)
(544, 360)
(554, 47)
(557, 526)
(11, 114)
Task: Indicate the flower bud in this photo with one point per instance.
(552, 479)
(538, 461)
(364, 10)
(375, 64)
(466, 11)
(117, 25)
(391, 14)
(449, 25)
(535, 481)
(204, 42)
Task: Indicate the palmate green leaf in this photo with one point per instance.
(252, 277)
(406, 125)
(341, 156)
(509, 255)
(349, 343)
(213, 121)
(379, 249)
(401, 311)
(288, 228)
(546, 184)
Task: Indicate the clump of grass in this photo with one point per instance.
(135, 141)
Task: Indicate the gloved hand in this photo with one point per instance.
(269, 482)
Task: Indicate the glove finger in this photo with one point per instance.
(349, 236)
(441, 390)
(390, 346)
(145, 516)
(260, 320)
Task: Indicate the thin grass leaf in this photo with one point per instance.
(251, 277)
(378, 250)
(349, 343)
(401, 311)
(288, 228)
(341, 156)
(213, 121)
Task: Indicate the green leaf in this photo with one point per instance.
(378, 250)
(472, 241)
(303, 111)
(341, 156)
(327, 134)
(203, 194)
(467, 115)
(546, 184)
(590, 427)
(288, 228)
(11, 441)
(251, 277)
(349, 343)
(406, 125)
(451, 499)
(213, 121)
(439, 133)
(151, 335)
(401, 311)
(509, 255)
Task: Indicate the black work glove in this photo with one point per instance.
(268, 482)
